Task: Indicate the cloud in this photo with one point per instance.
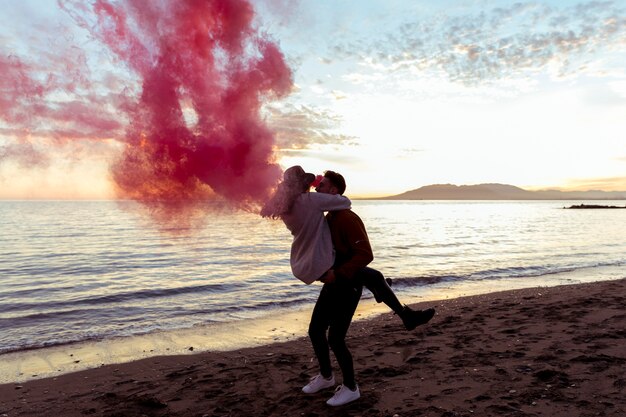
(605, 95)
(331, 156)
(515, 41)
(408, 153)
(299, 127)
(338, 95)
(24, 154)
(606, 184)
(279, 12)
(53, 98)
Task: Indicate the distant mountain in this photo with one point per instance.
(500, 192)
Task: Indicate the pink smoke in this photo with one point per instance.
(192, 130)
(26, 107)
(207, 55)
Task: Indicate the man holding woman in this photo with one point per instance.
(343, 270)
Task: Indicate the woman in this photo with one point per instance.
(302, 212)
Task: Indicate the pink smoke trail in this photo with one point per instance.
(208, 55)
(183, 96)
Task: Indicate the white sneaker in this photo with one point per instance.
(344, 395)
(318, 383)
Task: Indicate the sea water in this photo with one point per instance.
(73, 271)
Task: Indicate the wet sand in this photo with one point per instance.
(549, 351)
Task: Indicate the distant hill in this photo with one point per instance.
(500, 192)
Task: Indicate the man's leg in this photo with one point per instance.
(376, 283)
(346, 300)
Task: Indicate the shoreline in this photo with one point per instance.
(539, 351)
(276, 327)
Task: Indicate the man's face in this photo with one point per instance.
(326, 186)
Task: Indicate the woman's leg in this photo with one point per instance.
(346, 301)
(320, 321)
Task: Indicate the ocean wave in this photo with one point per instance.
(20, 346)
(501, 273)
(121, 297)
(38, 339)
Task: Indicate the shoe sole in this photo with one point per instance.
(320, 389)
(347, 402)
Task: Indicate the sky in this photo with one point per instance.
(393, 94)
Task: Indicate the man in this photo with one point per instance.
(354, 253)
(341, 293)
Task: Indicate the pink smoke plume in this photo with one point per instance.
(207, 55)
(192, 129)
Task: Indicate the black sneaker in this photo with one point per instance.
(412, 318)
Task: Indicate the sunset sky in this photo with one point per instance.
(394, 94)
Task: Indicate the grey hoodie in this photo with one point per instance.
(312, 251)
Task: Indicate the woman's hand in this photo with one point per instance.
(328, 277)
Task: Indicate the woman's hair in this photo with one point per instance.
(283, 199)
(295, 182)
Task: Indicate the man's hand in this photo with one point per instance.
(329, 277)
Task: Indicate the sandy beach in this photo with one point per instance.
(549, 351)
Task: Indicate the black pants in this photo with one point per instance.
(333, 313)
(374, 281)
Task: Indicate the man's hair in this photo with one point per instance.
(337, 180)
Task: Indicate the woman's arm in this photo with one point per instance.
(330, 202)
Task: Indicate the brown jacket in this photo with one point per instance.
(352, 246)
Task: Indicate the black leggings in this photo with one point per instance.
(333, 312)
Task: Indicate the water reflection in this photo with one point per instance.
(91, 269)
